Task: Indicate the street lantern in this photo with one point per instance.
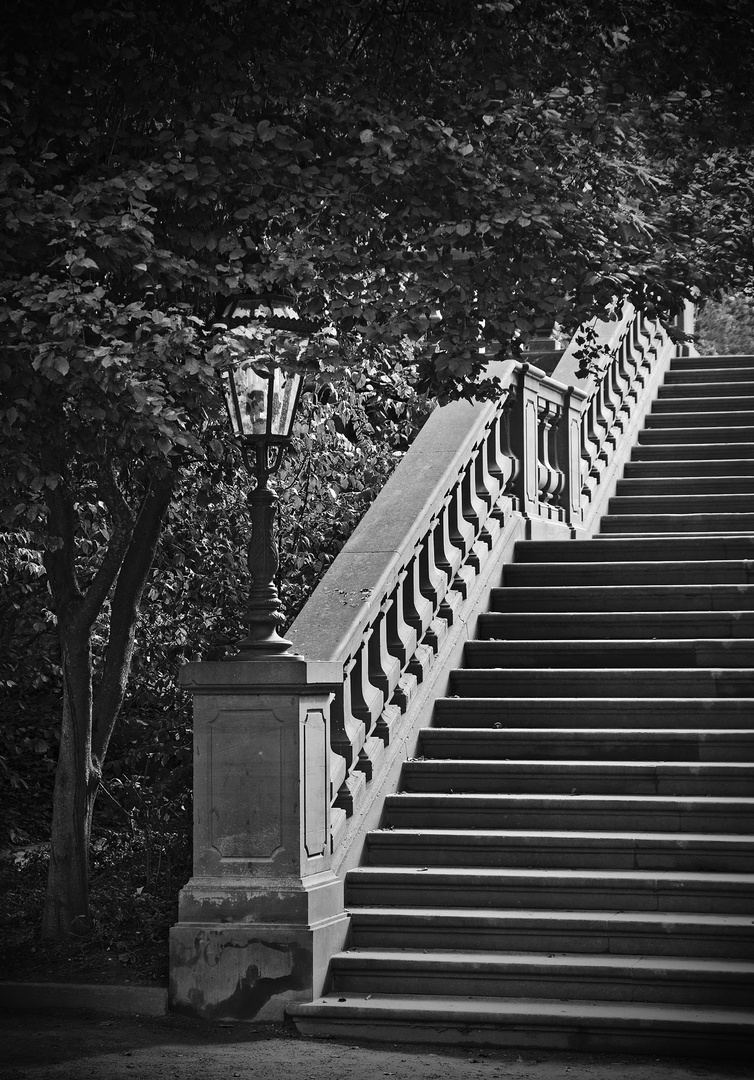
(262, 385)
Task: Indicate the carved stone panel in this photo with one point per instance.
(316, 790)
(246, 783)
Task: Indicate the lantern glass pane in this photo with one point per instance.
(262, 385)
(252, 386)
(284, 394)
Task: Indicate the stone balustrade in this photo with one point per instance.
(301, 750)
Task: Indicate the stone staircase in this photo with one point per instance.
(569, 862)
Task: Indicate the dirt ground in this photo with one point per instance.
(81, 1046)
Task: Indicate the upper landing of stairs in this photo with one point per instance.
(569, 859)
(692, 471)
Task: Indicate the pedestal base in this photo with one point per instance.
(251, 972)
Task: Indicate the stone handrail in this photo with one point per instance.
(294, 754)
(637, 351)
(539, 452)
(384, 605)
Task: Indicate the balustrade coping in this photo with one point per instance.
(610, 333)
(389, 535)
(331, 626)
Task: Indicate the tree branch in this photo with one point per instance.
(118, 545)
(124, 611)
(60, 563)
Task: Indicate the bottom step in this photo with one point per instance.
(589, 1026)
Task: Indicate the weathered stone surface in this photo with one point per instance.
(263, 907)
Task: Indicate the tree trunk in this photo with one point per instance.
(66, 909)
(88, 719)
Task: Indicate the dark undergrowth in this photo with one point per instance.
(127, 942)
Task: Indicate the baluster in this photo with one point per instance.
(432, 581)
(401, 635)
(612, 407)
(418, 609)
(384, 668)
(491, 474)
(346, 739)
(507, 450)
(473, 506)
(487, 488)
(588, 446)
(436, 587)
(632, 370)
(524, 438)
(367, 699)
(595, 427)
(338, 771)
(463, 531)
(346, 730)
(569, 455)
(620, 384)
(639, 350)
(550, 480)
(368, 702)
(623, 385)
(448, 557)
(606, 416)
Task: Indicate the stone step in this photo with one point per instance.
(623, 598)
(671, 535)
(562, 849)
(692, 434)
(683, 452)
(594, 813)
(684, 377)
(664, 505)
(589, 1026)
(587, 890)
(603, 682)
(700, 418)
(571, 869)
(701, 981)
(625, 572)
(687, 485)
(713, 362)
(541, 777)
(614, 932)
(671, 524)
(583, 625)
(709, 391)
(627, 712)
(680, 401)
(592, 744)
(597, 653)
(653, 550)
(724, 468)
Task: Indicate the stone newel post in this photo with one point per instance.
(263, 911)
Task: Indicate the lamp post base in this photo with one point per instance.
(255, 648)
(263, 612)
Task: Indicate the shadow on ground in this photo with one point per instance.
(87, 1046)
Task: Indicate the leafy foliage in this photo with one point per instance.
(158, 158)
(727, 326)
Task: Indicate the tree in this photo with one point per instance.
(727, 326)
(161, 155)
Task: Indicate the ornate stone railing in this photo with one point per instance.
(539, 454)
(293, 757)
(387, 603)
(637, 351)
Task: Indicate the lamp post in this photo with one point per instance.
(262, 386)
